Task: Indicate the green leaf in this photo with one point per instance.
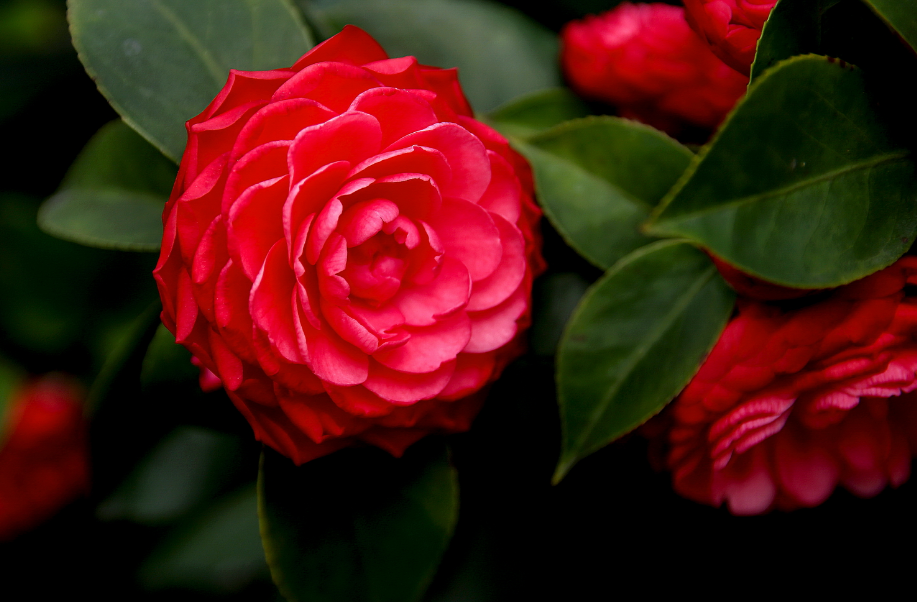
(160, 62)
(500, 53)
(166, 362)
(636, 339)
(108, 219)
(113, 195)
(219, 552)
(554, 297)
(804, 184)
(186, 468)
(535, 112)
(119, 158)
(598, 178)
(900, 15)
(793, 28)
(357, 525)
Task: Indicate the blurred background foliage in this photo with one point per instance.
(172, 512)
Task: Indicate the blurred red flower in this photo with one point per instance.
(731, 27)
(44, 460)
(645, 60)
(792, 402)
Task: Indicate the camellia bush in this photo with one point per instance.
(402, 300)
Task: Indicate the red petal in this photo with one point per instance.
(335, 85)
(255, 224)
(404, 388)
(504, 194)
(349, 137)
(399, 112)
(493, 328)
(423, 305)
(272, 304)
(281, 120)
(494, 289)
(469, 234)
(428, 346)
(352, 45)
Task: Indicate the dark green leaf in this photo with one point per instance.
(598, 178)
(119, 158)
(219, 552)
(536, 112)
(793, 28)
(109, 219)
(500, 53)
(803, 185)
(113, 194)
(900, 15)
(358, 525)
(636, 339)
(183, 470)
(166, 362)
(160, 62)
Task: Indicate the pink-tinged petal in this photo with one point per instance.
(416, 195)
(497, 287)
(428, 346)
(307, 309)
(322, 228)
(365, 219)
(445, 83)
(299, 245)
(752, 492)
(198, 205)
(331, 262)
(255, 224)
(308, 196)
(230, 307)
(335, 85)
(279, 121)
(423, 305)
(229, 366)
(805, 469)
(352, 45)
(490, 137)
(209, 259)
(412, 159)
(266, 162)
(383, 321)
(394, 441)
(470, 235)
(406, 388)
(242, 88)
(218, 134)
(272, 303)
(472, 371)
(303, 417)
(334, 360)
(358, 401)
(504, 194)
(465, 154)
(495, 327)
(348, 328)
(349, 137)
(401, 72)
(186, 310)
(399, 112)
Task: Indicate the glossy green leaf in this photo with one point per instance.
(357, 525)
(598, 178)
(500, 53)
(183, 470)
(109, 219)
(535, 112)
(219, 552)
(636, 339)
(793, 28)
(113, 195)
(900, 15)
(822, 195)
(160, 62)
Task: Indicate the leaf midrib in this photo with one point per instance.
(662, 326)
(217, 72)
(779, 192)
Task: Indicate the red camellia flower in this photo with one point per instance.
(731, 27)
(348, 250)
(44, 460)
(792, 402)
(645, 60)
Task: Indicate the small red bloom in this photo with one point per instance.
(731, 27)
(792, 402)
(348, 251)
(43, 454)
(645, 60)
